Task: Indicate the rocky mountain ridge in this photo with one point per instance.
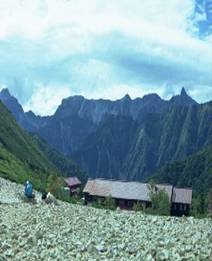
(124, 139)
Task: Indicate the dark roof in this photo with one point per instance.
(182, 195)
(72, 181)
(122, 190)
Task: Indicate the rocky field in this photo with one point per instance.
(72, 232)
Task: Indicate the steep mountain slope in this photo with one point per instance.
(167, 137)
(195, 172)
(104, 152)
(127, 139)
(29, 120)
(19, 143)
(126, 149)
(20, 157)
(12, 104)
(63, 164)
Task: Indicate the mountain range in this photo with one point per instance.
(126, 139)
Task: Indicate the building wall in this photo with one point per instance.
(179, 209)
(73, 190)
(122, 203)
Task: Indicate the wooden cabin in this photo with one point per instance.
(73, 184)
(128, 193)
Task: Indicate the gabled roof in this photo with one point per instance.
(182, 195)
(122, 190)
(72, 181)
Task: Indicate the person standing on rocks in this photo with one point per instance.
(28, 190)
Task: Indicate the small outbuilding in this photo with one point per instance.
(181, 201)
(73, 184)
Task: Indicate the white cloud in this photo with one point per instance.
(34, 17)
(46, 99)
(101, 48)
(116, 92)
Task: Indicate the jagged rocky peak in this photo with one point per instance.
(12, 104)
(183, 93)
(5, 93)
(30, 114)
(126, 97)
(183, 99)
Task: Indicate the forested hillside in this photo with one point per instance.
(195, 172)
(21, 158)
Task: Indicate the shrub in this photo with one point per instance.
(199, 206)
(97, 204)
(209, 202)
(160, 200)
(138, 206)
(54, 184)
(109, 203)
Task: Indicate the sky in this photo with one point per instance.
(52, 49)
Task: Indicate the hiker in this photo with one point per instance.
(50, 199)
(28, 190)
(44, 195)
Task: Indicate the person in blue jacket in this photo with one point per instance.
(28, 190)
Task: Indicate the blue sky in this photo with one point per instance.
(52, 49)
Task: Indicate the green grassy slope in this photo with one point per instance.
(16, 170)
(19, 143)
(22, 158)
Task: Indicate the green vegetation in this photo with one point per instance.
(19, 143)
(54, 184)
(160, 203)
(195, 172)
(138, 206)
(209, 202)
(22, 159)
(198, 208)
(109, 203)
(98, 204)
(145, 145)
(16, 170)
